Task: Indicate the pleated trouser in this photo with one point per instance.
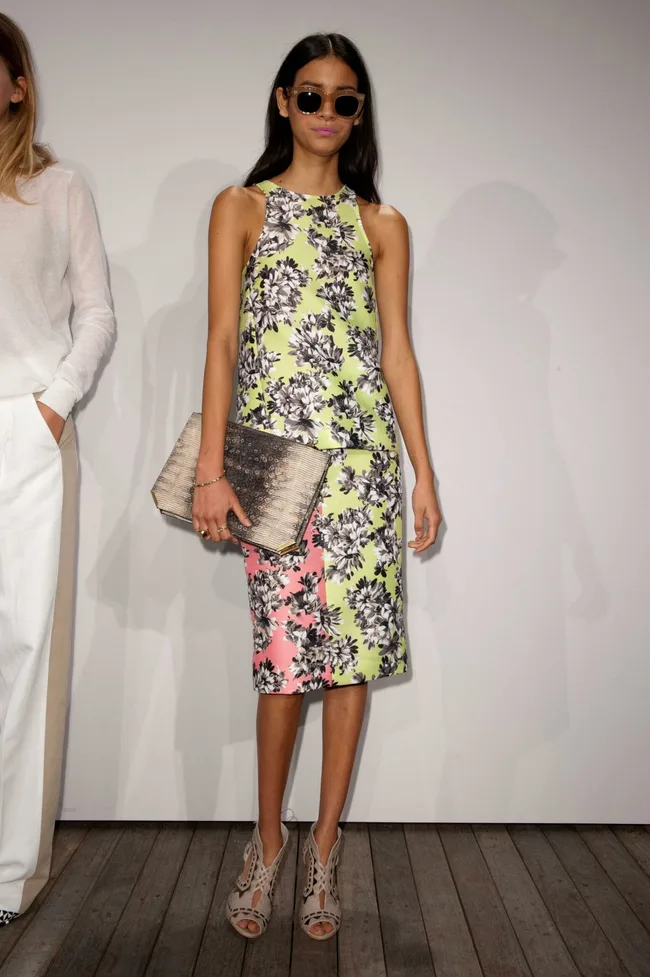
(38, 535)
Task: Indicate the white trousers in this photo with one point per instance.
(38, 502)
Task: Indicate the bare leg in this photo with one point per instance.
(343, 711)
(278, 717)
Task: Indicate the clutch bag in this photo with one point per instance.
(277, 481)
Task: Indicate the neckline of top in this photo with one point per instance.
(306, 196)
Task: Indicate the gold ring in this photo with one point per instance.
(222, 529)
(203, 533)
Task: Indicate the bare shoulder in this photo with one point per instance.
(384, 225)
(237, 203)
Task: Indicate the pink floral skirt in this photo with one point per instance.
(331, 613)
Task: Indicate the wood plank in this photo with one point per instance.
(628, 877)
(406, 950)
(67, 838)
(134, 936)
(85, 944)
(271, 955)
(585, 940)
(40, 943)
(222, 952)
(543, 946)
(450, 940)
(178, 944)
(498, 949)
(359, 943)
(626, 934)
(309, 957)
(637, 842)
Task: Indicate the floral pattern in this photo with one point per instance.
(331, 613)
(309, 364)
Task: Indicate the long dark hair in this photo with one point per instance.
(359, 157)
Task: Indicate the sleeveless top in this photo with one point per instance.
(309, 338)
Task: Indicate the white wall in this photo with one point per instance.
(515, 140)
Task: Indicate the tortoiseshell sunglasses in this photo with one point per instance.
(347, 104)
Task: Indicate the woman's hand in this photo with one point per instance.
(54, 421)
(210, 509)
(425, 508)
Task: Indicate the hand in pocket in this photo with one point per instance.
(54, 421)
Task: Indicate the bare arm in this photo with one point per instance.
(226, 247)
(399, 367)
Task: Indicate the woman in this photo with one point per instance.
(323, 260)
(51, 260)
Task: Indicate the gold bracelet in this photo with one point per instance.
(212, 480)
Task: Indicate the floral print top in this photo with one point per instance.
(309, 338)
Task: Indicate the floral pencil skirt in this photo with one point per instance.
(331, 613)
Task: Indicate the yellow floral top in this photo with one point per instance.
(309, 351)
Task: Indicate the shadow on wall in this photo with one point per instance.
(151, 576)
(512, 508)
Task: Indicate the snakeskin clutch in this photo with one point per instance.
(277, 481)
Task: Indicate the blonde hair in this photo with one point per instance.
(20, 156)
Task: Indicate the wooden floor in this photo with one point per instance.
(127, 900)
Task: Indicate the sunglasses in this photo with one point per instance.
(347, 104)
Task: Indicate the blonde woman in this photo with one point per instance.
(51, 262)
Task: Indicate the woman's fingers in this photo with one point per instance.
(239, 512)
(428, 538)
(206, 514)
(224, 533)
(419, 528)
(424, 537)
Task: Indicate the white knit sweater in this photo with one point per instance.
(56, 314)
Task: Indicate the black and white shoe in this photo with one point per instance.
(6, 916)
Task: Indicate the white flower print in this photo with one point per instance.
(339, 295)
(363, 426)
(360, 266)
(315, 684)
(343, 537)
(247, 375)
(384, 409)
(325, 213)
(387, 547)
(279, 229)
(313, 347)
(264, 598)
(343, 436)
(329, 619)
(343, 654)
(376, 612)
(299, 402)
(265, 361)
(333, 260)
(266, 678)
(369, 303)
(346, 235)
(345, 402)
(363, 344)
(305, 600)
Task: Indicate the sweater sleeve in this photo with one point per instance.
(93, 322)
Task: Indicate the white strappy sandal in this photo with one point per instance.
(259, 878)
(320, 878)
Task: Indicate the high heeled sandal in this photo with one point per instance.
(320, 878)
(259, 878)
